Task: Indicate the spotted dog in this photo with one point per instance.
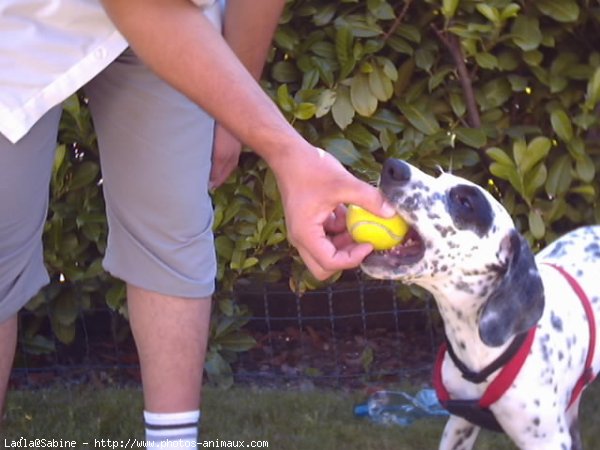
(520, 330)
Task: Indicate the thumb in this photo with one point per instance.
(370, 198)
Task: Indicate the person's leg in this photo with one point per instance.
(155, 150)
(8, 343)
(171, 337)
(25, 170)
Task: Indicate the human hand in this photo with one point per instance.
(315, 188)
(226, 154)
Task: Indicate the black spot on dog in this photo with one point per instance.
(559, 249)
(556, 322)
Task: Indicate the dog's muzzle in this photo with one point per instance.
(395, 176)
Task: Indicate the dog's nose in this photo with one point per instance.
(395, 171)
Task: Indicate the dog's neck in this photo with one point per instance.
(460, 312)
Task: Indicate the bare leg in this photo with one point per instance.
(171, 335)
(8, 343)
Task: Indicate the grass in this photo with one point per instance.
(287, 420)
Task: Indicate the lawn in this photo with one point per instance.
(286, 419)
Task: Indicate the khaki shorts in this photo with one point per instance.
(155, 152)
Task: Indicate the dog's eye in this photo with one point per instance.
(465, 203)
(461, 200)
(469, 209)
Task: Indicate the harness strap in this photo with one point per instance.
(477, 411)
(499, 385)
(588, 374)
(498, 363)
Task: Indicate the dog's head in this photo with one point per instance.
(462, 245)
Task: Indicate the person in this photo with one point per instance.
(156, 72)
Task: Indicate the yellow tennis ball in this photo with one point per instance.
(381, 233)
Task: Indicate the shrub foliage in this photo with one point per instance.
(502, 92)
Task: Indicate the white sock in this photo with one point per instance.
(172, 430)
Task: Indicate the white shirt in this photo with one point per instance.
(51, 48)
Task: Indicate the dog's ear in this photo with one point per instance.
(517, 303)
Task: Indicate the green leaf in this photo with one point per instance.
(84, 174)
(457, 103)
(593, 90)
(342, 110)
(237, 342)
(284, 99)
(361, 136)
(343, 149)
(449, 8)
(511, 10)
(526, 32)
(218, 370)
(561, 124)
(534, 58)
(381, 9)
(518, 83)
(115, 296)
(473, 137)
(360, 25)
(576, 148)
(324, 14)
(37, 345)
(249, 262)
(528, 156)
(65, 308)
(536, 224)
(507, 173)
(489, 12)
(363, 100)
(400, 45)
(325, 103)
(384, 119)
(559, 177)
(409, 32)
(420, 118)
(224, 247)
(405, 73)
(500, 156)
(344, 42)
(438, 78)
(534, 180)
(585, 168)
(559, 10)
(305, 111)
(424, 59)
(59, 157)
(380, 84)
(486, 60)
(494, 94)
(287, 38)
(64, 333)
(285, 72)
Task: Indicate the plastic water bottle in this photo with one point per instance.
(400, 408)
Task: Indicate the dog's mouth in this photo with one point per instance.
(410, 251)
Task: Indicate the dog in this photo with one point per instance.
(520, 329)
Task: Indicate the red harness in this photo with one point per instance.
(477, 411)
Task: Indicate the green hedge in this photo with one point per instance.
(503, 93)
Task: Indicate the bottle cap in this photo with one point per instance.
(361, 410)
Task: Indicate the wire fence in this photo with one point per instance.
(347, 334)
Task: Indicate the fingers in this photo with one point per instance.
(368, 197)
(327, 255)
(226, 153)
(336, 223)
(220, 171)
